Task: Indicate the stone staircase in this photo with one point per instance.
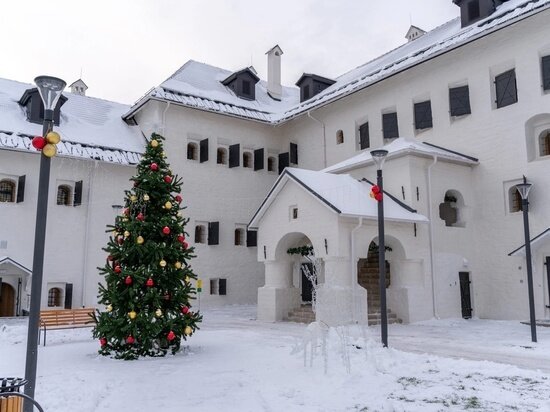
(303, 314)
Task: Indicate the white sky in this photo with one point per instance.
(125, 47)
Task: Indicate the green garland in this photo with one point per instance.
(302, 250)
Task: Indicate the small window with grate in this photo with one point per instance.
(514, 200)
(221, 156)
(506, 89)
(63, 195)
(192, 151)
(7, 191)
(200, 233)
(239, 236)
(247, 159)
(54, 297)
(459, 101)
(544, 143)
(423, 115)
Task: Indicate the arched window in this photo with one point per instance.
(339, 137)
(271, 164)
(54, 297)
(64, 195)
(200, 234)
(7, 191)
(239, 237)
(452, 208)
(247, 159)
(514, 199)
(544, 143)
(192, 151)
(221, 156)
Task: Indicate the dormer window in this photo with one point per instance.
(475, 10)
(243, 83)
(311, 84)
(34, 107)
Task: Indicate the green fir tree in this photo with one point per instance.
(148, 280)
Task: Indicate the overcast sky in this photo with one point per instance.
(125, 47)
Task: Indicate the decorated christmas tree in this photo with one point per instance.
(148, 280)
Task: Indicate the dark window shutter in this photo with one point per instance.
(389, 125)
(506, 88)
(21, 189)
(284, 161)
(546, 72)
(234, 155)
(68, 295)
(258, 159)
(77, 193)
(294, 153)
(364, 138)
(251, 238)
(459, 101)
(214, 233)
(423, 115)
(203, 156)
(222, 286)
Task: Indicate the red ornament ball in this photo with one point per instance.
(184, 310)
(171, 336)
(378, 196)
(140, 217)
(118, 269)
(181, 238)
(128, 280)
(126, 211)
(39, 142)
(150, 283)
(166, 230)
(168, 179)
(103, 341)
(375, 189)
(179, 198)
(130, 340)
(185, 245)
(154, 167)
(120, 240)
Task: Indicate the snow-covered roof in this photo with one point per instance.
(6, 259)
(536, 241)
(197, 85)
(340, 193)
(400, 147)
(89, 127)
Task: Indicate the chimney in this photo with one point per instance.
(79, 87)
(274, 88)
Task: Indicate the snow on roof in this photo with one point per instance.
(342, 194)
(400, 147)
(537, 240)
(198, 85)
(89, 127)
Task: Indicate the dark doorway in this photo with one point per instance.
(547, 263)
(465, 298)
(307, 286)
(7, 300)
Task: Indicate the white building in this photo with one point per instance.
(464, 111)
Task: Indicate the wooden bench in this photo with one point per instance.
(65, 319)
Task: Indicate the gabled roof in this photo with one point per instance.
(5, 259)
(236, 74)
(315, 77)
(193, 85)
(414, 29)
(80, 82)
(401, 147)
(537, 240)
(342, 194)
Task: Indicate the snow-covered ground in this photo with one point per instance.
(235, 363)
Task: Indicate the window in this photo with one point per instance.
(218, 287)
(364, 138)
(192, 151)
(247, 159)
(64, 195)
(506, 89)
(294, 213)
(221, 156)
(390, 128)
(473, 10)
(459, 101)
(544, 143)
(546, 73)
(54, 297)
(339, 137)
(239, 237)
(200, 234)
(306, 92)
(423, 115)
(514, 199)
(271, 164)
(7, 191)
(246, 87)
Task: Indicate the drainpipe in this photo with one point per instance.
(431, 237)
(354, 268)
(324, 136)
(164, 118)
(86, 234)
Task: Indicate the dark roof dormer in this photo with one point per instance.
(32, 102)
(243, 83)
(311, 84)
(474, 10)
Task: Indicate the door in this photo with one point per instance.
(7, 300)
(547, 263)
(465, 298)
(307, 286)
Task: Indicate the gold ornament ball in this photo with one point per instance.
(162, 263)
(109, 308)
(180, 214)
(49, 150)
(158, 313)
(53, 138)
(177, 265)
(188, 331)
(187, 279)
(132, 315)
(133, 198)
(124, 219)
(140, 240)
(126, 234)
(163, 154)
(154, 143)
(146, 198)
(168, 205)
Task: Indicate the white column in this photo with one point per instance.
(278, 296)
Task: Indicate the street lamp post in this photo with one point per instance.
(523, 189)
(50, 89)
(379, 156)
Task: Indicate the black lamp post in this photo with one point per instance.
(379, 156)
(523, 189)
(50, 89)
